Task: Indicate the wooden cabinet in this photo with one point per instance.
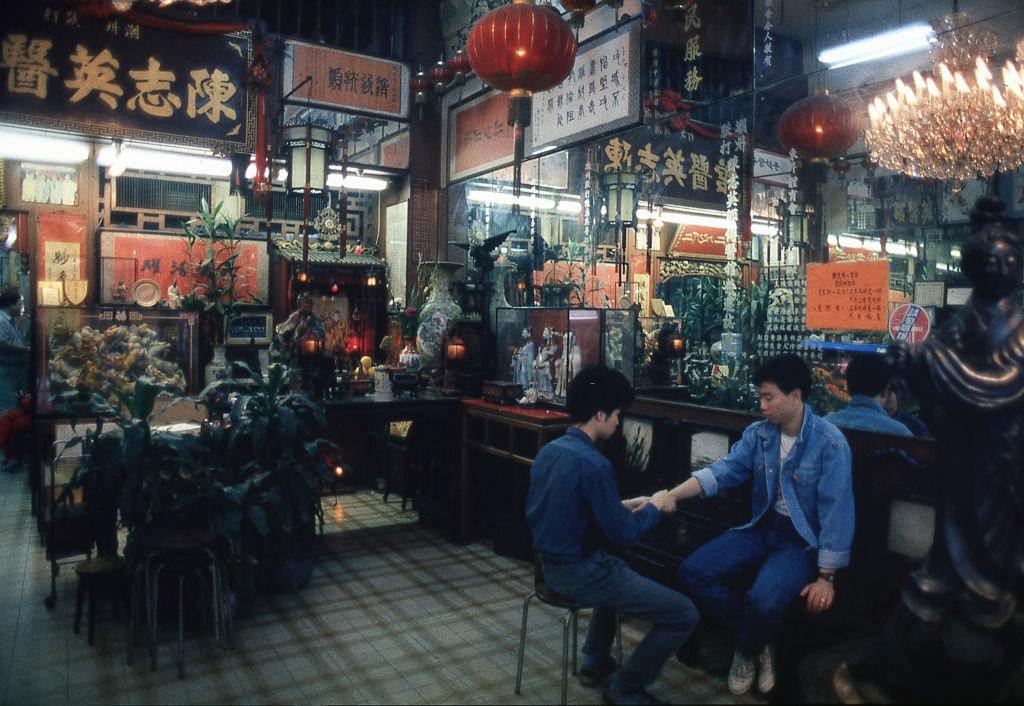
(499, 443)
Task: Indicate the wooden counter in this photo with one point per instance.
(499, 443)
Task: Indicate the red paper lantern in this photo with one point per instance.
(521, 48)
(820, 127)
(439, 76)
(841, 166)
(420, 87)
(578, 8)
(458, 66)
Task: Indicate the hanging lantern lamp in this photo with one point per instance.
(419, 86)
(459, 67)
(820, 127)
(520, 49)
(439, 76)
(841, 166)
(578, 9)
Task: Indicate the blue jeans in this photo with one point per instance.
(609, 585)
(785, 565)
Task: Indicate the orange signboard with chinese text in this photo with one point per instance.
(345, 80)
(481, 137)
(848, 296)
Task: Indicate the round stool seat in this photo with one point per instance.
(103, 575)
(178, 542)
(548, 595)
(100, 567)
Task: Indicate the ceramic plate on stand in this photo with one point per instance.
(146, 292)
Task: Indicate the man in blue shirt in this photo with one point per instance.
(573, 509)
(801, 528)
(868, 378)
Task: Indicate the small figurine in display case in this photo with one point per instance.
(568, 364)
(522, 361)
(542, 365)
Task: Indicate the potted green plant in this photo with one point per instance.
(147, 478)
(216, 276)
(276, 440)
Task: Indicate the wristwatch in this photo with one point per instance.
(828, 576)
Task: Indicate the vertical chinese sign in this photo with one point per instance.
(112, 77)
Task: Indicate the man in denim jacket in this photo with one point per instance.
(802, 524)
(574, 510)
(868, 378)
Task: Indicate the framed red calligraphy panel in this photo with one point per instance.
(341, 79)
(480, 138)
(130, 256)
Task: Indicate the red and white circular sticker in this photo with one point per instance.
(909, 323)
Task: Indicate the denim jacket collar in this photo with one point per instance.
(771, 432)
(867, 403)
(581, 436)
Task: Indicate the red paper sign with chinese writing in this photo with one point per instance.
(699, 241)
(346, 80)
(848, 295)
(481, 136)
(129, 257)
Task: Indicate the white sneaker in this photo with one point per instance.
(766, 670)
(741, 674)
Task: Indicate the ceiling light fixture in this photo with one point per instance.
(958, 123)
(896, 42)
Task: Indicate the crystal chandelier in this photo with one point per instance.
(956, 124)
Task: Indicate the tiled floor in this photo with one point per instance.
(394, 614)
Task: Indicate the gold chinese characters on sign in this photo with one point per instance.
(62, 70)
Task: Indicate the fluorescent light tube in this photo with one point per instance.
(896, 42)
(37, 147)
(356, 182)
(149, 160)
(569, 206)
(508, 199)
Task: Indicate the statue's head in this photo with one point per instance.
(992, 258)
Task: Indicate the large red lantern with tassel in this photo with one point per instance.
(521, 48)
(820, 127)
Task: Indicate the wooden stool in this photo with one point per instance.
(180, 556)
(98, 576)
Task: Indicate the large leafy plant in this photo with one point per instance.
(701, 304)
(215, 272)
(153, 479)
(276, 441)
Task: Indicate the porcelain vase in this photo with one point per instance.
(436, 313)
(218, 368)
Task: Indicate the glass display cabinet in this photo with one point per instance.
(542, 348)
(105, 350)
